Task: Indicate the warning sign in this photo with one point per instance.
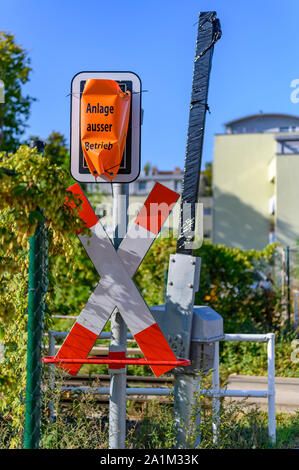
(105, 111)
(105, 127)
(116, 287)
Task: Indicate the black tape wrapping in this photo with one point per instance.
(209, 31)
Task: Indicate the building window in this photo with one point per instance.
(288, 146)
(141, 185)
(207, 211)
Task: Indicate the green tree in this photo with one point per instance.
(14, 72)
(57, 150)
(147, 168)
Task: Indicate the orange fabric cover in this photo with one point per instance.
(105, 112)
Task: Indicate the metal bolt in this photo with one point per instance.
(190, 285)
(171, 283)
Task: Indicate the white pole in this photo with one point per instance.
(196, 407)
(271, 387)
(118, 378)
(235, 393)
(245, 337)
(216, 401)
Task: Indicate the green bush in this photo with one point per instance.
(28, 183)
(241, 426)
(249, 358)
(227, 284)
(79, 424)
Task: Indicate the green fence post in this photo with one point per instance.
(37, 288)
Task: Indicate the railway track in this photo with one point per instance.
(94, 381)
(287, 388)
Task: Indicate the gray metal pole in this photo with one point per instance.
(186, 412)
(117, 400)
(209, 31)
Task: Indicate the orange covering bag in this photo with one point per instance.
(105, 112)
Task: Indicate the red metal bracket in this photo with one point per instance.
(105, 360)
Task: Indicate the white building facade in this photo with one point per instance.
(138, 192)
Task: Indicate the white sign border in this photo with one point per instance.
(75, 126)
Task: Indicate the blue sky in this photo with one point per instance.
(253, 64)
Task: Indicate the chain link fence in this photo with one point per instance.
(37, 289)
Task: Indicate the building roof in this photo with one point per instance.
(261, 115)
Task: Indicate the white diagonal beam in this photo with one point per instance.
(116, 287)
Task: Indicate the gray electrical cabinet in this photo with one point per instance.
(207, 328)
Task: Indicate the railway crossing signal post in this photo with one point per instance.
(116, 293)
(129, 170)
(118, 377)
(163, 334)
(116, 289)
